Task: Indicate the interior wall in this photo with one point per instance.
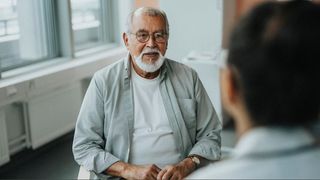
(193, 26)
(147, 3)
(121, 10)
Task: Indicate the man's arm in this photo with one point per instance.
(89, 142)
(208, 138)
(130, 171)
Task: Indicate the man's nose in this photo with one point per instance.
(151, 42)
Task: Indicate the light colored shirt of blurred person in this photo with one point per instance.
(270, 87)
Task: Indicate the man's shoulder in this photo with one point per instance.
(111, 70)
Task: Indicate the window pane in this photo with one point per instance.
(9, 33)
(8, 17)
(27, 32)
(86, 23)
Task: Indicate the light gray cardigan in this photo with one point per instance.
(105, 123)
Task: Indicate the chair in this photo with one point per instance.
(84, 174)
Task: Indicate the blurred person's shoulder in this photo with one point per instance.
(223, 169)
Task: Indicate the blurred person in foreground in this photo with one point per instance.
(146, 116)
(270, 85)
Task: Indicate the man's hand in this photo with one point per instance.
(178, 171)
(130, 171)
(141, 172)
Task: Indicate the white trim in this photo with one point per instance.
(4, 147)
(32, 68)
(46, 78)
(18, 139)
(26, 123)
(96, 49)
(85, 25)
(7, 38)
(60, 67)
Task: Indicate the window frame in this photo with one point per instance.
(65, 37)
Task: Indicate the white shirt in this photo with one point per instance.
(257, 155)
(153, 140)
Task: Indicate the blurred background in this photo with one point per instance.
(49, 50)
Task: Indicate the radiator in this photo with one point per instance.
(53, 114)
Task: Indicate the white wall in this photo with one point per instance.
(194, 25)
(124, 7)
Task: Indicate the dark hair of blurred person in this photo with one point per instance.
(275, 60)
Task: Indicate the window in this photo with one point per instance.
(28, 32)
(34, 31)
(9, 33)
(8, 18)
(89, 20)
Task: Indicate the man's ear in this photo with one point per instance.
(125, 39)
(229, 92)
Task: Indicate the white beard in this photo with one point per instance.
(152, 67)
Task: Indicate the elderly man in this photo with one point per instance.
(146, 117)
(270, 87)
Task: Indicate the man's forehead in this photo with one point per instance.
(146, 17)
(145, 22)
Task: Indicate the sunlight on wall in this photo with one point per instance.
(148, 3)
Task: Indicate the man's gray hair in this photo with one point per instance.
(149, 11)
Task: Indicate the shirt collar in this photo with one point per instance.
(127, 69)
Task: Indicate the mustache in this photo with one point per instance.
(151, 50)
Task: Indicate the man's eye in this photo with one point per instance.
(143, 35)
(158, 35)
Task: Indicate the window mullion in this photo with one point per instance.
(51, 28)
(107, 18)
(65, 28)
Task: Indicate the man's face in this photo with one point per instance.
(144, 24)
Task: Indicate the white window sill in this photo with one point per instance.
(85, 25)
(7, 38)
(29, 81)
